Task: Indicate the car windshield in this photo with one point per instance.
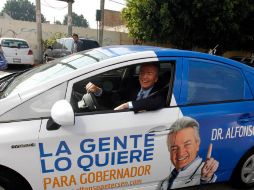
(52, 70)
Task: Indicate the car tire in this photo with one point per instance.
(12, 181)
(243, 173)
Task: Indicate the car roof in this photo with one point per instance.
(118, 50)
(7, 38)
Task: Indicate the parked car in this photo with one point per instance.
(17, 51)
(49, 140)
(63, 47)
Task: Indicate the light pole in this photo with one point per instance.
(39, 30)
(101, 23)
(69, 18)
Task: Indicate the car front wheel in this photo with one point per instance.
(10, 180)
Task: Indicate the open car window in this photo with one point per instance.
(115, 84)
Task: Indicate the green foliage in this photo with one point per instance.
(50, 41)
(192, 23)
(21, 10)
(77, 20)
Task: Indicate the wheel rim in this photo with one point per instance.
(247, 173)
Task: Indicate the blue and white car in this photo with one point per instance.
(48, 140)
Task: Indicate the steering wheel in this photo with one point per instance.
(89, 101)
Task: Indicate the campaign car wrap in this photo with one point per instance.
(122, 160)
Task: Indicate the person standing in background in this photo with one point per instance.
(77, 44)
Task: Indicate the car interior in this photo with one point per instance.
(114, 83)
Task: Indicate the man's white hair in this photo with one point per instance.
(183, 123)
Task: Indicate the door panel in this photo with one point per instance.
(110, 149)
(218, 97)
(118, 149)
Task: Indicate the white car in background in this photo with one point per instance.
(17, 51)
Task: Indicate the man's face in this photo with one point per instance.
(75, 38)
(148, 76)
(183, 147)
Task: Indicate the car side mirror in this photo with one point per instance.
(62, 113)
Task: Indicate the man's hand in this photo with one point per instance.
(122, 106)
(210, 166)
(90, 87)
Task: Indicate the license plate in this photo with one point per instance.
(16, 60)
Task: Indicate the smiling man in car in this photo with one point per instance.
(147, 97)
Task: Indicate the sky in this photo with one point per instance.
(55, 10)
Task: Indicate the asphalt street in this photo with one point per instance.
(219, 186)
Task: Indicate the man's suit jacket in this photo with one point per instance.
(188, 177)
(155, 100)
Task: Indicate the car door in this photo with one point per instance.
(57, 49)
(110, 149)
(218, 96)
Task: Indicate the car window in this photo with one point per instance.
(210, 82)
(117, 72)
(89, 44)
(12, 43)
(115, 85)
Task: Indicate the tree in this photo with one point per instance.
(51, 40)
(190, 23)
(21, 10)
(77, 20)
